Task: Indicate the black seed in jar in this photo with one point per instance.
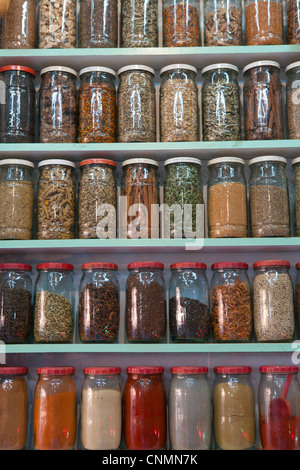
(15, 314)
(189, 319)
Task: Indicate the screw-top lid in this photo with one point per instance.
(187, 265)
(56, 162)
(16, 161)
(226, 160)
(145, 161)
(220, 66)
(182, 160)
(293, 65)
(99, 161)
(295, 161)
(58, 266)
(6, 370)
(145, 264)
(55, 370)
(58, 68)
(267, 158)
(101, 370)
(19, 68)
(136, 67)
(261, 63)
(229, 264)
(273, 262)
(99, 266)
(189, 370)
(15, 266)
(145, 370)
(279, 369)
(233, 370)
(178, 66)
(97, 69)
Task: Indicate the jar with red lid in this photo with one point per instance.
(54, 411)
(273, 301)
(231, 309)
(13, 408)
(101, 409)
(15, 302)
(146, 317)
(99, 303)
(279, 418)
(189, 316)
(145, 398)
(234, 408)
(189, 410)
(53, 308)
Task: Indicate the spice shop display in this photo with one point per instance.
(222, 23)
(264, 22)
(296, 195)
(293, 21)
(138, 21)
(269, 197)
(136, 98)
(181, 23)
(99, 303)
(273, 302)
(56, 194)
(19, 25)
(221, 118)
(234, 408)
(98, 23)
(57, 24)
(17, 199)
(292, 99)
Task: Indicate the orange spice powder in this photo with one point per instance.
(264, 23)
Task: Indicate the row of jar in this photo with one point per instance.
(186, 412)
(227, 310)
(104, 113)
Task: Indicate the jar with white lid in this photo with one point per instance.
(181, 23)
(293, 99)
(296, 195)
(223, 23)
(57, 24)
(139, 23)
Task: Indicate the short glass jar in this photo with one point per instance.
(278, 407)
(273, 302)
(99, 303)
(264, 22)
(146, 318)
(181, 23)
(98, 24)
(57, 20)
(223, 23)
(53, 309)
(101, 409)
(234, 408)
(139, 23)
(292, 99)
(19, 25)
(293, 21)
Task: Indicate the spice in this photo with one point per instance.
(223, 27)
(181, 25)
(53, 318)
(279, 433)
(293, 113)
(139, 23)
(298, 304)
(189, 319)
(264, 23)
(57, 24)
(98, 23)
(19, 25)
(293, 23)
(296, 188)
(16, 314)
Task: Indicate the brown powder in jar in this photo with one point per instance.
(264, 23)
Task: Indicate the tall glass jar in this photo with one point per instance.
(54, 411)
(101, 409)
(263, 108)
(97, 199)
(139, 23)
(57, 24)
(181, 23)
(231, 309)
(139, 209)
(223, 23)
(297, 297)
(17, 199)
(278, 407)
(179, 109)
(145, 397)
(269, 197)
(136, 111)
(221, 118)
(56, 194)
(234, 408)
(15, 302)
(99, 303)
(296, 195)
(17, 110)
(273, 301)
(98, 24)
(53, 309)
(58, 105)
(264, 22)
(19, 25)
(292, 99)
(189, 411)
(14, 406)
(189, 316)
(293, 21)
(97, 105)
(146, 317)
(227, 198)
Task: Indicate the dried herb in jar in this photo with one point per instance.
(181, 26)
(53, 318)
(223, 27)
(139, 23)
(194, 321)
(16, 315)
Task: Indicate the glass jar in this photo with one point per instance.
(145, 397)
(179, 110)
(189, 409)
(297, 297)
(98, 24)
(17, 112)
(97, 105)
(293, 21)
(221, 103)
(99, 303)
(139, 210)
(54, 411)
(181, 23)
(97, 199)
(264, 22)
(263, 108)
(292, 99)
(58, 105)
(57, 24)
(15, 302)
(56, 193)
(136, 109)
(234, 408)
(139, 23)
(13, 408)
(101, 409)
(53, 310)
(296, 195)
(273, 301)
(146, 303)
(189, 316)
(231, 309)
(223, 23)
(269, 197)
(17, 199)
(278, 407)
(19, 25)
(227, 198)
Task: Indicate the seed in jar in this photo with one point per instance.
(181, 26)
(53, 318)
(98, 23)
